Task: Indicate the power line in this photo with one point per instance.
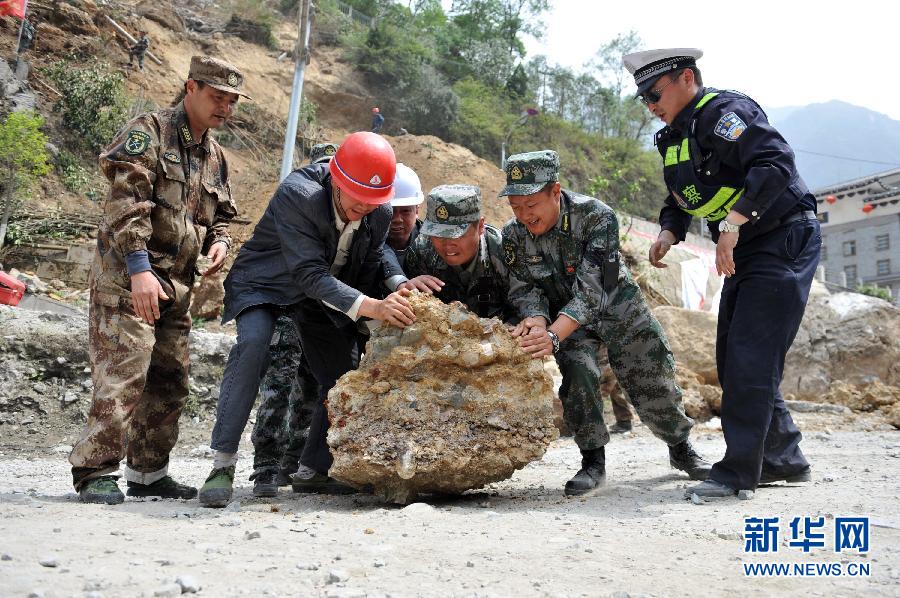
(846, 158)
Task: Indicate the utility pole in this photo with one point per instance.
(301, 56)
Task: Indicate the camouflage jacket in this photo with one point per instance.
(562, 270)
(169, 199)
(488, 280)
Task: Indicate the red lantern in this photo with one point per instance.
(868, 208)
(830, 198)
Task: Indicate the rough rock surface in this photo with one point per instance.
(847, 352)
(45, 379)
(449, 404)
(844, 336)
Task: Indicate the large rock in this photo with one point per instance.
(845, 336)
(208, 298)
(448, 404)
(847, 352)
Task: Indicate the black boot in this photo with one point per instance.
(265, 483)
(163, 488)
(592, 474)
(683, 456)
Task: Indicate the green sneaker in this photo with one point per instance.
(163, 488)
(103, 490)
(216, 492)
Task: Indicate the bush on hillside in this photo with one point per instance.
(93, 103)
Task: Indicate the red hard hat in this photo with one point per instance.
(364, 168)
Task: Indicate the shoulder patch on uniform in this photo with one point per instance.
(172, 157)
(730, 127)
(136, 143)
(509, 253)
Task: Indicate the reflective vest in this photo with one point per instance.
(683, 159)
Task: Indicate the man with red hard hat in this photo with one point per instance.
(317, 254)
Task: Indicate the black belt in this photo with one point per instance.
(804, 215)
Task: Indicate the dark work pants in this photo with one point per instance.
(331, 351)
(759, 315)
(247, 363)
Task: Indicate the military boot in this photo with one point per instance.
(164, 488)
(216, 492)
(265, 483)
(683, 456)
(285, 472)
(591, 476)
(103, 490)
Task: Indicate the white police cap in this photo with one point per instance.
(649, 65)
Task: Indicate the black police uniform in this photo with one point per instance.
(721, 153)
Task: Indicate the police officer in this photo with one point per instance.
(316, 254)
(169, 201)
(458, 257)
(568, 283)
(289, 393)
(723, 161)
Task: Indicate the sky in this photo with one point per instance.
(781, 53)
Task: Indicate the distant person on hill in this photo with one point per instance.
(377, 120)
(138, 50)
(724, 162)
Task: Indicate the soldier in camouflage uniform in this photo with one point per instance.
(169, 200)
(289, 394)
(458, 256)
(138, 50)
(569, 285)
(609, 386)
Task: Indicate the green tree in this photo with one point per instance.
(93, 102)
(23, 158)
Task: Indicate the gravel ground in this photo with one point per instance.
(522, 537)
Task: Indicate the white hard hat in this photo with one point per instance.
(407, 188)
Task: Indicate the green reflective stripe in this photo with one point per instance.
(705, 99)
(722, 200)
(671, 155)
(715, 216)
(685, 154)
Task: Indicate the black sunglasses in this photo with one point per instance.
(652, 96)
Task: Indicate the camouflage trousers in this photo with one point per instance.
(140, 375)
(289, 396)
(609, 387)
(641, 360)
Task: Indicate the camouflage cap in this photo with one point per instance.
(528, 173)
(450, 210)
(217, 73)
(322, 152)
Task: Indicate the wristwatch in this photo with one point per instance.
(727, 227)
(555, 340)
